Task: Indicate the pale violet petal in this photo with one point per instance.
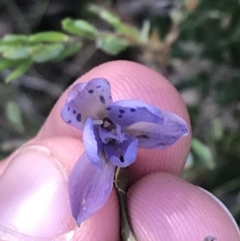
(88, 100)
(69, 113)
(122, 154)
(92, 143)
(75, 90)
(89, 188)
(152, 135)
(115, 134)
(128, 112)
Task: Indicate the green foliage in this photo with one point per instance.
(50, 36)
(54, 46)
(203, 154)
(104, 14)
(79, 27)
(112, 44)
(21, 69)
(13, 114)
(44, 53)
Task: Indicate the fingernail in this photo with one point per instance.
(33, 195)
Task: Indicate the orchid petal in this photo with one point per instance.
(92, 143)
(87, 101)
(116, 134)
(69, 113)
(89, 188)
(122, 154)
(128, 112)
(152, 135)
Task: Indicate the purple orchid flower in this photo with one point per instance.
(112, 132)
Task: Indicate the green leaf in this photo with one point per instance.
(50, 36)
(79, 27)
(7, 63)
(14, 115)
(15, 52)
(20, 70)
(144, 34)
(217, 129)
(69, 50)
(15, 39)
(114, 21)
(107, 16)
(44, 53)
(112, 44)
(203, 153)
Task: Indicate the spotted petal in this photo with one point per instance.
(152, 135)
(128, 112)
(122, 154)
(69, 112)
(90, 101)
(92, 143)
(89, 188)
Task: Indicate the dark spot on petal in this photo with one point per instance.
(132, 109)
(121, 158)
(69, 121)
(121, 111)
(74, 112)
(110, 97)
(102, 99)
(78, 117)
(120, 116)
(108, 108)
(99, 86)
(90, 91)
(68, 108)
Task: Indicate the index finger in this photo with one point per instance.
(133, 81)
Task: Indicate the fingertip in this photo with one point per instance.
(164, 207)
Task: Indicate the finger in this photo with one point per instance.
(164, 207)
(67, 150)
(133, 81)
(34, 198)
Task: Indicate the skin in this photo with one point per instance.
(33, 182)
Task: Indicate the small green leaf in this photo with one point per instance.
(112, 44)
(44, 53)
(144, 34)
(7, 63)
(15, 52)
(15, 39)
(107, 16)
(203, 153)
(217, 129)
(14, 115)
(79, 27)
(3, 48)
(50, 36)
(20, 70)
(69, 50)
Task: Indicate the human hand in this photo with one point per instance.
(33, 184)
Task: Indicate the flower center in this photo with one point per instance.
(108, 124)
(109, 132)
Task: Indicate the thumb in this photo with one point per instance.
(34, 198)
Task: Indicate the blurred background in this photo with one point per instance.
(193, 43)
